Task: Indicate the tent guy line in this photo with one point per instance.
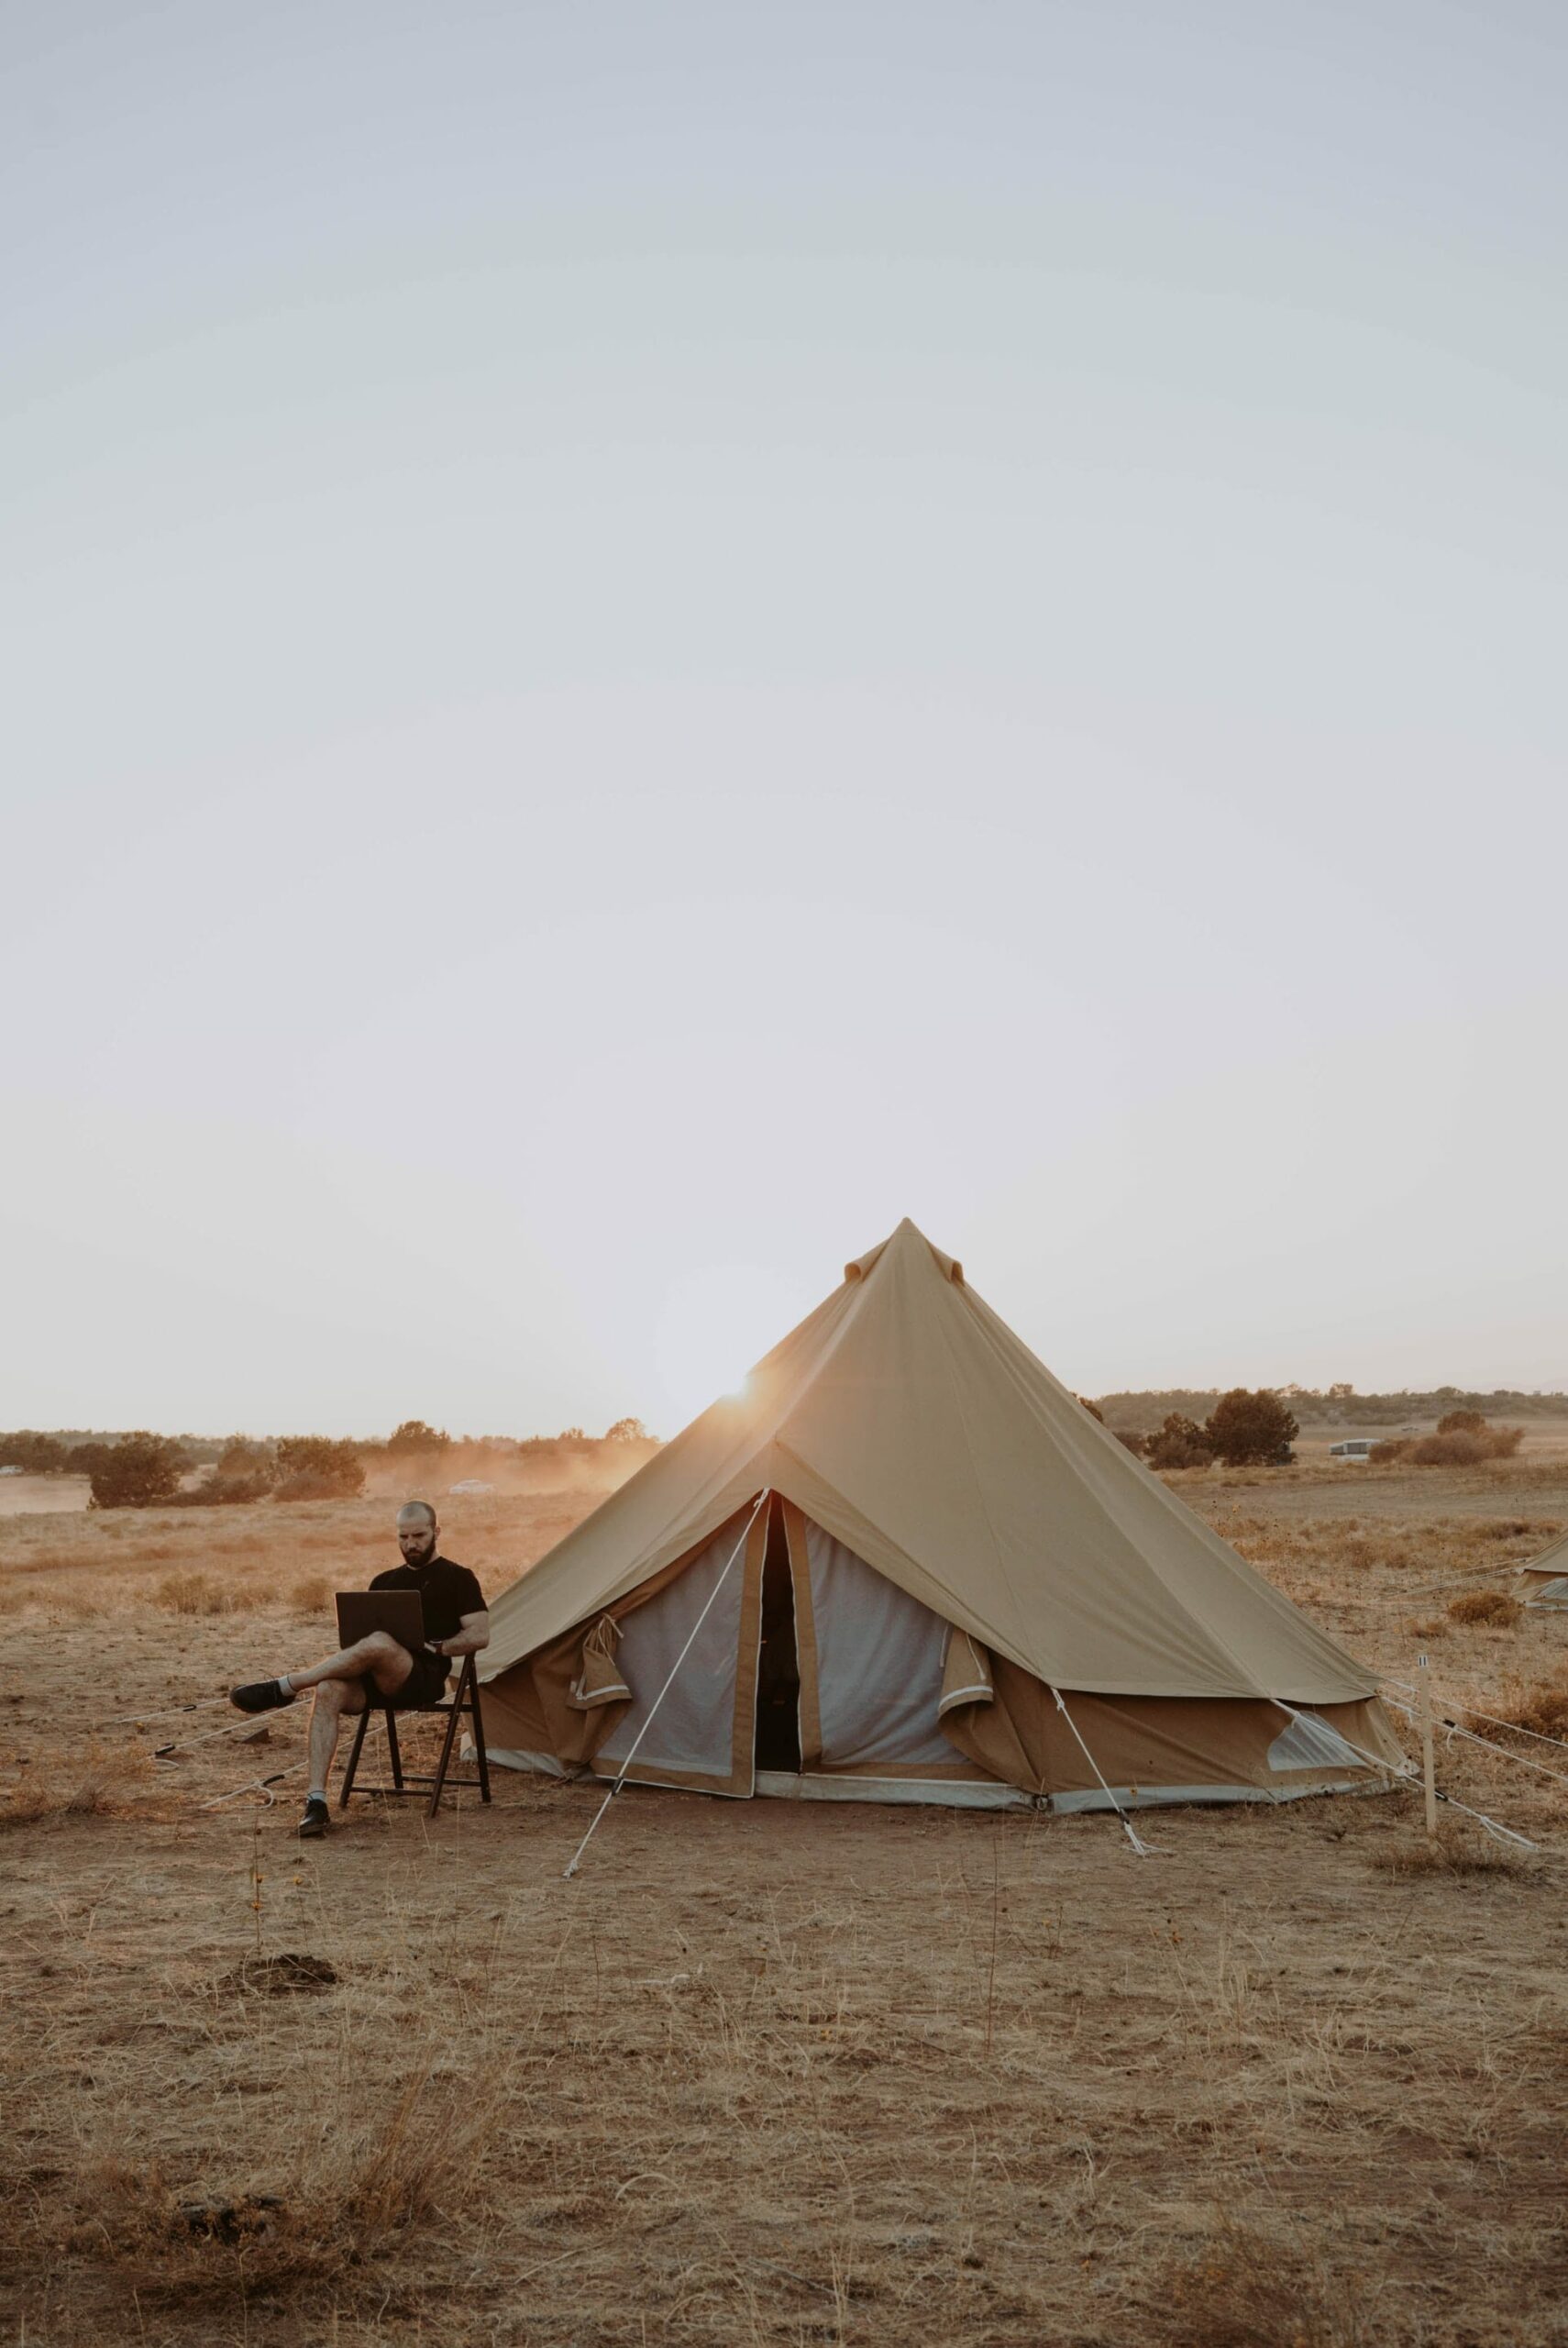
(1454, 1728)
(1144, 1850)
(569, 1872)
(1514, 1727)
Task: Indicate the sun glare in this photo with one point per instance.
(713, 1326)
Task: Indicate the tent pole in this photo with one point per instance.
(734, 1553)
(1428, 1772)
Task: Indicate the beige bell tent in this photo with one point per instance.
(904, 1564)
(1544, 1581)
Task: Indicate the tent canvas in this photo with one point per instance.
(1544, 1581)
(981, 1585)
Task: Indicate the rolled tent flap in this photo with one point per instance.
(599, 1679)
(967, 1677)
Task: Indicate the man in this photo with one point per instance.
(456, 1624)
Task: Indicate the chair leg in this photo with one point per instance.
(480, 1753)
(449, 1739)
(347, 1786)
(392, 1749)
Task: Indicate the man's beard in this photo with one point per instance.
(421, 1556)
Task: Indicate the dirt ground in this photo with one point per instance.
(765, 2074)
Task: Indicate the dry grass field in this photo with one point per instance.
(765, 2074)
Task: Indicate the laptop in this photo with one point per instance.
(401, 1612)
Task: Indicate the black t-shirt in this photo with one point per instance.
(449, 1592)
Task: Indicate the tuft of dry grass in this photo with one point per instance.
(1446, 1854)
(1542, 1709)
(1248, 2290)
(309, 1595)
(327, 2219)
(98, 1782)
(192, 1593)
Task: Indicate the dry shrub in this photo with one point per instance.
(1484, 1606)
(1542, 1709)
(191, 1594)
(1464, 1447)
(1247, 2292)
(310, 1595)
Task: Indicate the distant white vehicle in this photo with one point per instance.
(13, 1471)
(470, 1484)
(1358, 1447)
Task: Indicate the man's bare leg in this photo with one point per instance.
(334, 1697)
(340, 1687)
(378, 1656)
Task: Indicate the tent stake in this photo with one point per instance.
(1424, 1682)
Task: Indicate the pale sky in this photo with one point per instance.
(639, 639)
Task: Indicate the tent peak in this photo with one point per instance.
(908, 1236)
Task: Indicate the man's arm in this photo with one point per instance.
(474, 1634)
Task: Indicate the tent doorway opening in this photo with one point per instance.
(778, 1663)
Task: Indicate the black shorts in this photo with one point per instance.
(426, 1684)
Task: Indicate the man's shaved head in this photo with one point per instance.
(416, 1532)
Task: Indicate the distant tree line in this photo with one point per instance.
(1247, 1429)
(1242, 1429)
(1336, 1405)
(141, 1469)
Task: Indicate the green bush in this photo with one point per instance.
(1179, 1442)
(1245, 1428)
(140, 1471)
(318, 1468)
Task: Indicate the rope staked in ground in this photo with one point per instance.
(1144, 1850)
(1498, 1832)
(139, 1720)
(241, 1728)
(734, 1553)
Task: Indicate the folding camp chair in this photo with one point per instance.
(464, 1698)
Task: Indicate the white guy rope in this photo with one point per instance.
(254, 1786)
(1491, 1718)
(138, 1719)
(1490, 1743)
(1498, 1832)
(1144, 1850)
(240, 1728)
(664, 1691)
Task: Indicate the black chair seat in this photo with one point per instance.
(464, 1698)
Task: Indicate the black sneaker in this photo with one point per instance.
(314, 1823)
(260, 1696)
